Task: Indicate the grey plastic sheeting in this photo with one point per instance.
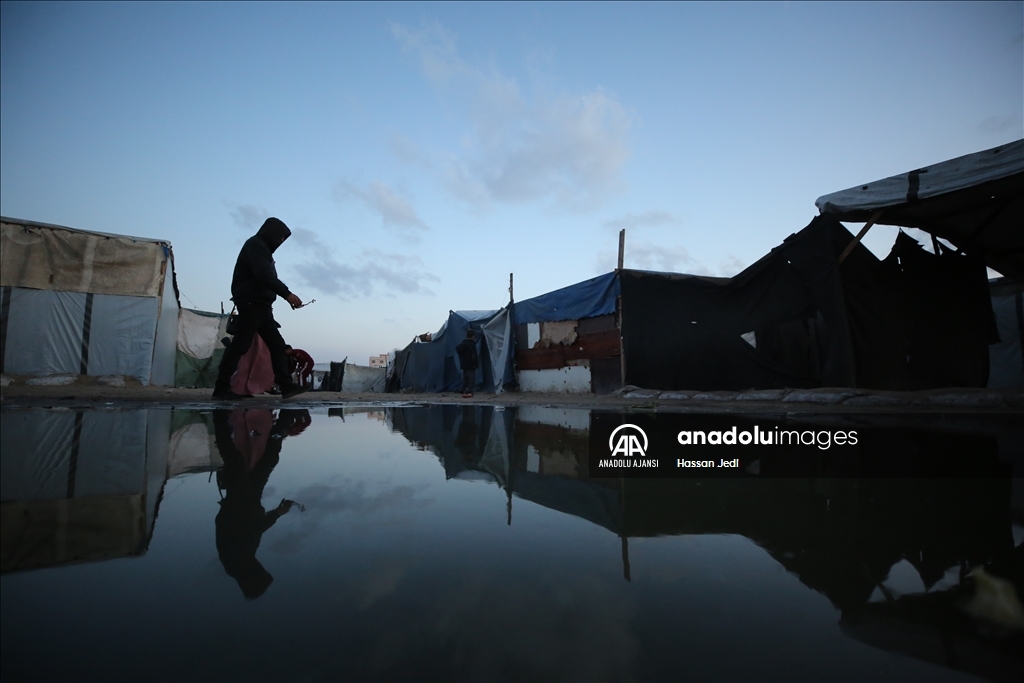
(45, 334)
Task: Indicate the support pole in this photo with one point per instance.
(511, 299)
(622, 247)
(860, 235)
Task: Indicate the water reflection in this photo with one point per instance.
(249, 442)
(470, 542)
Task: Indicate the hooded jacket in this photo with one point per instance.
(255, 278)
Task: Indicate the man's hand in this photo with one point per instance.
(295, 301)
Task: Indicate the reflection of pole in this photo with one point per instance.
(622, 529)
(625, 557)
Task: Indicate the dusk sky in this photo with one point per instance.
(422, 152)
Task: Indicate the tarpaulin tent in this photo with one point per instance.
(87, 303)
(433, 366)
(976, 202)
(199, 347)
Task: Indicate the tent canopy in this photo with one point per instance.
(976, 202)
(586, 299)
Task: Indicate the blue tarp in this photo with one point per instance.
(434, 366)
(586, 299)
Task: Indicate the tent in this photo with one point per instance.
(796, 318)
(433, 366)
(976, 202)
(199, 347)
(86, 303)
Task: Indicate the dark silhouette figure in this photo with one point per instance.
(250, 444)
(254, 288)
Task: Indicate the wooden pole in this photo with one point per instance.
(622, 247)
(510, 297)
(860, 235)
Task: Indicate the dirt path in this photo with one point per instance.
(86, 392)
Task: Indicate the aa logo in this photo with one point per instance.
(628, 442)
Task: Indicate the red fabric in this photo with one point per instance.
(302, 364)
(255, 373)
(250, 430)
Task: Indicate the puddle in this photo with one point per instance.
(470, 543)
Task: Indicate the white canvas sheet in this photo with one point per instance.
(199, 334)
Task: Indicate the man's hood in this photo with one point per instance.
(273, 232)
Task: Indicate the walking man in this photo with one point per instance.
(254, 288)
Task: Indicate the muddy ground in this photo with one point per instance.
(91, 392)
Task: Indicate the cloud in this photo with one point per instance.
(647, 219)
(247, 216)
(649, 256)
(567, 149)
(999, 124)
(395, 211)
(371, 272)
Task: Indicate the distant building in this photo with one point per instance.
(380, 361)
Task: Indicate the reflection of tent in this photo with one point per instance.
(433, 366)
(796, 318)
(199, 347)
(193, 446)
(79, 486)
(87, 303)
(976, 202)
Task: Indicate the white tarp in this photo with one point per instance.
(199, 333)
(937, 179)
(55, 333)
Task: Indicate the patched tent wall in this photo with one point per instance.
(76, 302)
(568, 340)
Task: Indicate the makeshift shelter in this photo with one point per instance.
(86, 303)
(976, 202)
(796, 318)
(433, 366)
(199, 347)
(568, 340)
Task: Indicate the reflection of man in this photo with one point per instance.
(250, 444)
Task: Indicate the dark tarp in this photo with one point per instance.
(593, 297)
(915, 320)
(433, 366)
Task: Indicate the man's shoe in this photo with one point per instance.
(292, 391)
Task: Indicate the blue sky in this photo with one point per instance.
(422, 152)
